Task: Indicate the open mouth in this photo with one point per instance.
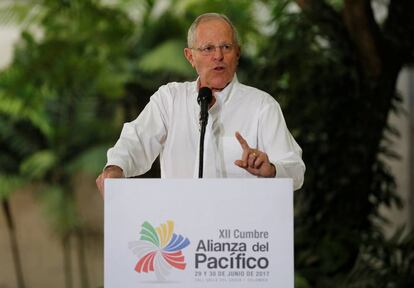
(219, 69)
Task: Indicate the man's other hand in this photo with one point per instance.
(109, 172)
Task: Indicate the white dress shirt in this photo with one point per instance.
(169, 126)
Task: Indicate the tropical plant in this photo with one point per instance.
(334, 70)
(16, 134)
(384, 262)
(60, 90)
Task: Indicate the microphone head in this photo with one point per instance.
(204, 94)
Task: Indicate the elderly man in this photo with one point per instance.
(169, 126)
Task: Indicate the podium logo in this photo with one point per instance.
(159, 250)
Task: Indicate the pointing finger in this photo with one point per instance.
(243, 143)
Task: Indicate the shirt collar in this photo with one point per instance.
(224, 95)
(221, 96)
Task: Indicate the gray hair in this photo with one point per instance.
(191, 36)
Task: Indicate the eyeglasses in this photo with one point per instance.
(211, 49)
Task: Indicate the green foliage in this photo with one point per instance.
(8, 184)
(58, 96)
(19, 12)
(385, 262)
(164, 59)
(39, 165)
(313, 70)
(90, 161)
(300, 282)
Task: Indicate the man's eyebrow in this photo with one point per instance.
(212, 44)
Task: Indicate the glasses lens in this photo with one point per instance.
(210, 49)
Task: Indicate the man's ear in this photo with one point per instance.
(188, 53)
(238, 52)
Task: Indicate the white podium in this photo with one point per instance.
(189, 233)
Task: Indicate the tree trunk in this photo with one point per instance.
(14, 245)
(67, 262)
(83, 269)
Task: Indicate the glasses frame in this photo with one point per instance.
(210, 49)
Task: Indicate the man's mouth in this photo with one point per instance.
(219, 69)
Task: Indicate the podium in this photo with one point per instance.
(189, 233)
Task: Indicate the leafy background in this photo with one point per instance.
(83, 67)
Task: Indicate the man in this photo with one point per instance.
(168, 126)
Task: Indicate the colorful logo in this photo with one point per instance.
(159, 249)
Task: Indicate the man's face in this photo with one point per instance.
(216, 69)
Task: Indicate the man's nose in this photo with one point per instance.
(218, 53)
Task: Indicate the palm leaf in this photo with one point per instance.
(39, 164)
(91, 161)
(10, 106)
(18, 109)
(9, 184)
(167, 57)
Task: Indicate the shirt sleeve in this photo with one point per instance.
(282, 149)
(141, 140)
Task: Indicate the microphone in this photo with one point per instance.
(204, 99)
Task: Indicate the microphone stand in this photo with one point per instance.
(204, 99)
(201, 156)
